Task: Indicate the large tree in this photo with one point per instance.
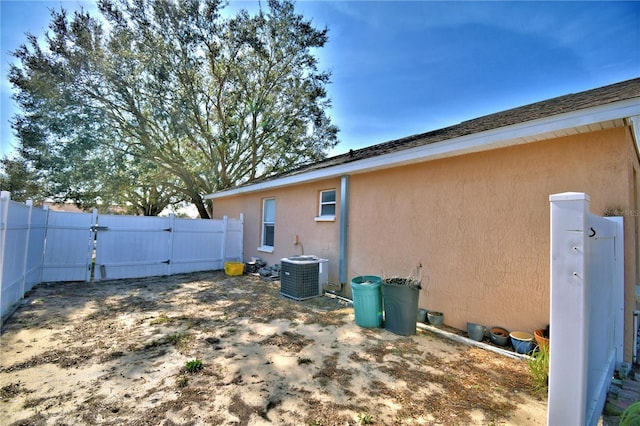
(205, 102)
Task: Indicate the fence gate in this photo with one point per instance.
(587, 309)
(132, 246)
(69, 246)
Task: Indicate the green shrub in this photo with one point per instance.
(193, 366)
(539, 368)
(631, 416)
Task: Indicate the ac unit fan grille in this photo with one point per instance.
(299, 281)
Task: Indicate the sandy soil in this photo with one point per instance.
(116, 353)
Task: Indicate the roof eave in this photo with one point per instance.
(491, 139)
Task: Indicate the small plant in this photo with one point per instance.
(631, 416)
(365, 419)
(539, 368)
(193, 366)
(161, 319)
(304, 361)
(182, 381)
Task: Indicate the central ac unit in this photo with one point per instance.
(303, 277)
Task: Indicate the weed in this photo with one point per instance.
(193, 366)
(162, 318)
(365, 419)
(539, 368)
(304, 361)
(182, 381)
(631, 416)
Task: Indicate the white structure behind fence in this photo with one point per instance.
(587, 309)
(40, 245)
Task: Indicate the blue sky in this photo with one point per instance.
(401, 68)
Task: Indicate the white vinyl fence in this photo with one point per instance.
(41, 245)
(587, 309)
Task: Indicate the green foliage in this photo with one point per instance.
(365, 419)
(539, 368)
(193, 366)
(156, 102)
(182, 381)
(631, 416)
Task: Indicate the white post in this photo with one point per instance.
(618, 290)
(225, 235)
(29, 203)
(5, 198)
(172, 226)
(241, 237)
(568, 325)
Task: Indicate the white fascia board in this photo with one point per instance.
(483, 141)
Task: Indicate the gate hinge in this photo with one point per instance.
(168, 229)
(168, 261)
(95, 228)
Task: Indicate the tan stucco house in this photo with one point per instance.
(469, 202)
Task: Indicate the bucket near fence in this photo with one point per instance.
(367, 300)
(233, 268)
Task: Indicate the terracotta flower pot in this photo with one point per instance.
(541, 339)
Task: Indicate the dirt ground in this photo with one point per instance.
(116, 353)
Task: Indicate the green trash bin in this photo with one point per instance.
(367, 300)
(400, 307)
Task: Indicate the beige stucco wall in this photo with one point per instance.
(478, 224)
(296, 210)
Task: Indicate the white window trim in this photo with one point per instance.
(264, 248)
(326, 218)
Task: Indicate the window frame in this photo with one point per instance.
(263, 226)
(327, 217)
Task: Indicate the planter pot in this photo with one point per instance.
(475, 331)
(499, 336)
(435, 318)
(522, 341)
(400, 307)
(422, 315)
(542, 338)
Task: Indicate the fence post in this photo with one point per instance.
(29, 203)
(568, 323)
(225, 235)
(172, 226)
(242, 237)
(5, 198)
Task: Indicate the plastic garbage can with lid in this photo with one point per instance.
(367, 300)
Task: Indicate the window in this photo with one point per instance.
(327, 210)
(268, 224)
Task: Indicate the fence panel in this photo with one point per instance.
(234, 249)
(68, 246)
(40, 245)
(14, 237)
(193, 249)
(34, 256)
(587, 309)
(132, 247)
